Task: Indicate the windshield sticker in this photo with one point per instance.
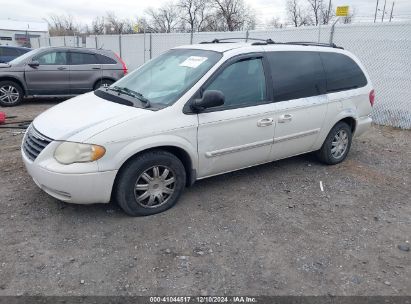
(193, 61)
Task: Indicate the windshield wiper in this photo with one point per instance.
(131, 93)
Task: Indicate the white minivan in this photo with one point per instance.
(197, 111)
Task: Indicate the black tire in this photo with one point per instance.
(103, 83)
(126, 191)
(325, 154)
(7, 87)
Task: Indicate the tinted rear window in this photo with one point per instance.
(296, 75)
(342, 72)
(105, 60)
(83, 58)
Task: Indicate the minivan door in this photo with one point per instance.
(51, 77)
(240, 133)
(300, 101)
(85, 70)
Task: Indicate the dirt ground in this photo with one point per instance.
(268, 230)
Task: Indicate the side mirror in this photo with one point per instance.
(34, 64)
(211, 98)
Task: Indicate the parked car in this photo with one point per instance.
(195, 112)
(58, 71)
(9, 53)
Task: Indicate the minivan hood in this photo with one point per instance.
(81, 117)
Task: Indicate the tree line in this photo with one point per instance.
(195, 16)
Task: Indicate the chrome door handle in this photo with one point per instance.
(265, 122)
(285, 118)
(61, 68)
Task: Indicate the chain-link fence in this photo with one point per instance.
(384, 49)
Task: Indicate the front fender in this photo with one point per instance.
(122, 154)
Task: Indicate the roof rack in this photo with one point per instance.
(308, 43)
(270, 41)
(224, 40)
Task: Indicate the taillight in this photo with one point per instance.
(372, 97)
(122, 63)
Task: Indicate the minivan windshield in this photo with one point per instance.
(166, 78)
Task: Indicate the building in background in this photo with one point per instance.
(18, 33)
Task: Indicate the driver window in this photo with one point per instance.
(53, 58)
(242, 83)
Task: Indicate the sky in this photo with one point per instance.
(85, 11)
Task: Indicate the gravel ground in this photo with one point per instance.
(267, 230)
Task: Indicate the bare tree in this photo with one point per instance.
(62, 25)
(235, 13)
(194, 13)
(316, 6)
(296, 14)
(275, 23)
(98, 26)
(165, 19)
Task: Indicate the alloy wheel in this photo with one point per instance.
(9, 94)
(154, 186)
(339, 144)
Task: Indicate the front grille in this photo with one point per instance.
(34, 143)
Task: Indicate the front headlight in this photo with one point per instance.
(71, 152)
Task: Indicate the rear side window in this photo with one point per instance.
(342, 72)
(105, 60)
(83, 58)
(296, 75)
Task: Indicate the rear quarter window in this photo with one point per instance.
(105, 60)
(296, 74)
(342, 72)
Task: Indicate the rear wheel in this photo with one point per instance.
(11, 94)
(104, 83)
(150, 184)
(337, 144)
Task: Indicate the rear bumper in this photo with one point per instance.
(78, 188)
(363, 124)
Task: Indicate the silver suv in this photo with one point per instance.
(58, 71)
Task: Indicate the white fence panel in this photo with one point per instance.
(163, 42)
(385, 51)
(109, 42)
(132, 50)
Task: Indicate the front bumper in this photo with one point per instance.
(77, 188)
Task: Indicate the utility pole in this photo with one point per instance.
(383, 11)
(328, 12)
(392, 9)
(376, 9)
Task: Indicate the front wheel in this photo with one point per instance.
(337, 144)
(150, 184)
(11, 94)
(104, 83)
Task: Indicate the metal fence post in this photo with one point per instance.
(332, 31)
(119, 44)
(95, 39)
(64, 38)
(247, 34)
(191, 37)
(38, 38)
(49, 41)
(151, 44)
